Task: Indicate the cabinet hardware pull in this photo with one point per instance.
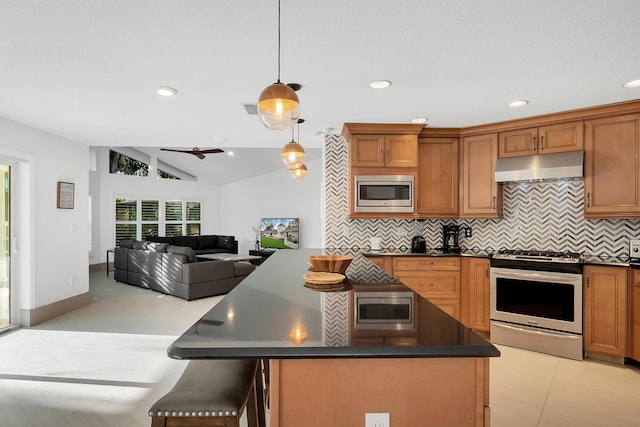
(541, 143)
(493, 202)
(381, 156)
(588, 200)
(386, 157)
(533, 144)
(486, 270)
(426, 284)
(588, 278)
(425, 263)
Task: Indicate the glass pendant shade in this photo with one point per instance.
(292, 154)
(299, 173)
(278, 107)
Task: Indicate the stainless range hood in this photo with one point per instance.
(542, 166)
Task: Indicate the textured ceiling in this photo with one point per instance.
(86, 69)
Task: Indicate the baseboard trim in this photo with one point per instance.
(37, 315)
(102, 266)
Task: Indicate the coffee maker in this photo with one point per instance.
(450, 238)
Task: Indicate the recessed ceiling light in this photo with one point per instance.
(632, 83)
(380, 84)
(230, 153)
(419, 120)
(166, 91)
(517, 104)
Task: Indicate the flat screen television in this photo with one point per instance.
(279, 233)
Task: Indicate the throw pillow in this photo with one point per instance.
(183, 250)
(226, 242)
(157, 247)
(126, 243)
(140, 244)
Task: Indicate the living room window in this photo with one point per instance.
(173, 217)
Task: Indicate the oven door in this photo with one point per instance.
(538, 299)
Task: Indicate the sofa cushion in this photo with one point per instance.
(157, 247)
(126, 243)
(183, 250)
(226, 242)
(161, 239)
(189, 241)
(140, 244)
(207, 242)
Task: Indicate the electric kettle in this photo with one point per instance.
(418, 244)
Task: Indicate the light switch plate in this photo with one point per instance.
(634, 248)
(376, 419)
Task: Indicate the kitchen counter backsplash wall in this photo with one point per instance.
(537, 216)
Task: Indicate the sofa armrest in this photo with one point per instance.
(205, 271)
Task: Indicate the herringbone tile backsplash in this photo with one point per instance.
(537, 216)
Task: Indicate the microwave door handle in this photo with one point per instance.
(513, 275)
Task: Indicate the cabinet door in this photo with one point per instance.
(515, 143)
(605, 309)
(612, 167)
(481, 195)
(475, 281)
(437, 187)
(401, 151)
(449, 306)
(561, 137)
(635, 316)
(367, 150)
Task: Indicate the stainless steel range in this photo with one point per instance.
(536, 301)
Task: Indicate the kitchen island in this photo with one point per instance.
(325, 371)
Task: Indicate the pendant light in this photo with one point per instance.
(298, 171)
(278, 105)
(293, 153)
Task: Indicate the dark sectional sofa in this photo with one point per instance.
(175, 270)
(205, 244)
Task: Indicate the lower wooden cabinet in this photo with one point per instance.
(475, 293)
(435, 278)
(605, 310)
(634, 351)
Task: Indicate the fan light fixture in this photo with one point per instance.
(278, 105)
(293, 153)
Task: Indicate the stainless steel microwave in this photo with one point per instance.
(383, 193)
(383, 310)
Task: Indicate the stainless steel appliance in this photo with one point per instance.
(536, 301)
(383, 310)
(384, 193)
(418, 244)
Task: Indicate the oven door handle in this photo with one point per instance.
(537, 276)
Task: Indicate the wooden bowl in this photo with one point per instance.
(330, 263)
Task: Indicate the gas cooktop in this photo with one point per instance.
(538, 256)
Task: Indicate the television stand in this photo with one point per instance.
(262, 253)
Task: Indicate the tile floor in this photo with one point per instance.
(105, 364)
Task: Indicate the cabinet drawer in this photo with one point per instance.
(432, 284)
(426, 263)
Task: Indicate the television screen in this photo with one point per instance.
(279, 233)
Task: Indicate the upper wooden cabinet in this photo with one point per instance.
(437, 186)
(382, 145)
(612, 167)
(480, 194)
(555, 138)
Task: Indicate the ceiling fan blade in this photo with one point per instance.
(212, 151)
(177, 151)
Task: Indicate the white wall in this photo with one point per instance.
(105, 187)
(275, 194)
(52, 256)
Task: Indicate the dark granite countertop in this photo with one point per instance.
(257, 318)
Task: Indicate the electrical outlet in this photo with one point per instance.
(634, 248)
(376, 419)
(467, 232)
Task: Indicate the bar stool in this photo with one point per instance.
(213, 393)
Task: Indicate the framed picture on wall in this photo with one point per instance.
(65, 195)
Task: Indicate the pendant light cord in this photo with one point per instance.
(278, 41)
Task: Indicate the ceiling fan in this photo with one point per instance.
(196, 151)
